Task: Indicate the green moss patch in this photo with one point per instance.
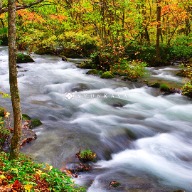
(93, 72)
(107, 75)
(26, 117)
(35, 123)
(24, 58)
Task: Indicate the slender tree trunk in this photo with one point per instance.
(123, 27)
(158, 33)
(187, 27)
(2, 23)
(13, 80)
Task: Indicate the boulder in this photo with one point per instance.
(27, 136)
(35, 123)
(93, 72)
(26, 117)
(32, 122)
(78, 167)
(24, 58)
(64, 58)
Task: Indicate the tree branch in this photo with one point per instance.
(4, 10)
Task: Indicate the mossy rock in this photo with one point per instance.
(35, 123)
(107, 75)
(131, 134)
(26, 117)
(2, 111)
(86, 65)
(64, 58)
(155, 85)
(164, 87)
(114, 184)
(24, 58)
(93, 72)
(86, 155)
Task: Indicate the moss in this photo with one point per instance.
(164, 87)
(155, 85)
(24, 58)
(26, 117)
(93, 72)
(86, 155)
(107, 75)
(35, 123)
(131, 134)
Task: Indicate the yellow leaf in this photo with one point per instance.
(7, 114)
(28, 187)
(2, 177)
(48, 167)
(39, 172)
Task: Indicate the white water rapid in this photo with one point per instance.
(142, 139)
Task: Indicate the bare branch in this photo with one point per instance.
(3, 10)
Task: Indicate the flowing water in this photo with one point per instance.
(80, 111)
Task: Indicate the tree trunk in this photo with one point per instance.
(158, 33)
(13, 80)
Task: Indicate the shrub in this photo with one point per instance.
(187, 89)
(25, 175)
(24, 58)
(86, 155)
(2, 112)
(187, 72)
(93, 72)
(181, 47)
(35, 123)
(132, 69)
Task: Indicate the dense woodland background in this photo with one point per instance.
(137, 29)
(121, 36)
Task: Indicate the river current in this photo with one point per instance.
(143, 139)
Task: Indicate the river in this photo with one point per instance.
(143, 139)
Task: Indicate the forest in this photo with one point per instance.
(112, 33)
(121, 51)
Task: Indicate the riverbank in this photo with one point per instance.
(81, 111)
(23, 174)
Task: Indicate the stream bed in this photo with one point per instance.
(142, 139)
